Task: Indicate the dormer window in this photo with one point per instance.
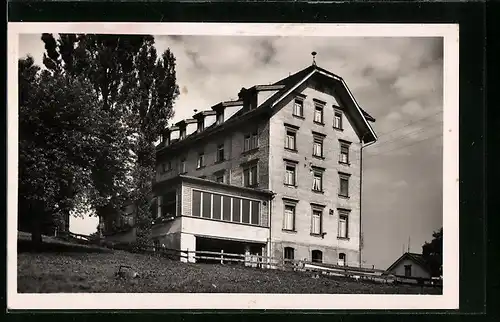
(220, 117)
(165, 138)
(182, 133)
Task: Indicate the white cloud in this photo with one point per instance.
(425, 81)
(412, 108)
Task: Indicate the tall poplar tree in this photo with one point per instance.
(134, 84)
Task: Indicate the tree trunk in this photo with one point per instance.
(36, 229)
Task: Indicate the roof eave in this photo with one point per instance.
(179, 179)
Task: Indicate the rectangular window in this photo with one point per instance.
(255, 213)
(201, 160)
(183, 168)
(167, 166)
(245, 211)
(253, 175)
(316, 222)
(298, 108)
(317, 180)
(343, 226)
(251, 142)
(207, 205)
(407, 270)
(290, 140)
(167, 207)
(236, 209)
(290, 174)
(337, 120)
(250, 176)
(318, 114)
(342, 261)
(246, 177)
(289, 253)
(217, 209)
(344, 185)
(289, 218)
(220, 117)
(226, 207)
(247, 143)
(318, 146)
(344, 153)
(165, 138)
(196, 211)
(220, 153)
(255, 141)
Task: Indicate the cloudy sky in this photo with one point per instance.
(399, 81)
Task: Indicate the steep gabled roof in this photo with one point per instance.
(285, 87)
(303, 73)
(294, 81)
(416, 258)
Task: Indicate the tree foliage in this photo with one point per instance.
(137, 87)
(433, 252)
(60, 136)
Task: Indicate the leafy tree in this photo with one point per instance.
(57, 144)
(135, 85)
(433, 252)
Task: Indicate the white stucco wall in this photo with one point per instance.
(212, 228)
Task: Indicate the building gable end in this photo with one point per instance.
(356, 112)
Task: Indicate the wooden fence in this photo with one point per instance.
(266, 262)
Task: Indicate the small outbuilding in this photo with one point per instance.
(410, 265)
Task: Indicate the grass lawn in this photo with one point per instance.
(71, 272)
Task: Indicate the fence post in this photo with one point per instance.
(222, 256)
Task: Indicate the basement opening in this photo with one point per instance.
(229, 251)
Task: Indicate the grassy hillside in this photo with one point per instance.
(95, 272)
